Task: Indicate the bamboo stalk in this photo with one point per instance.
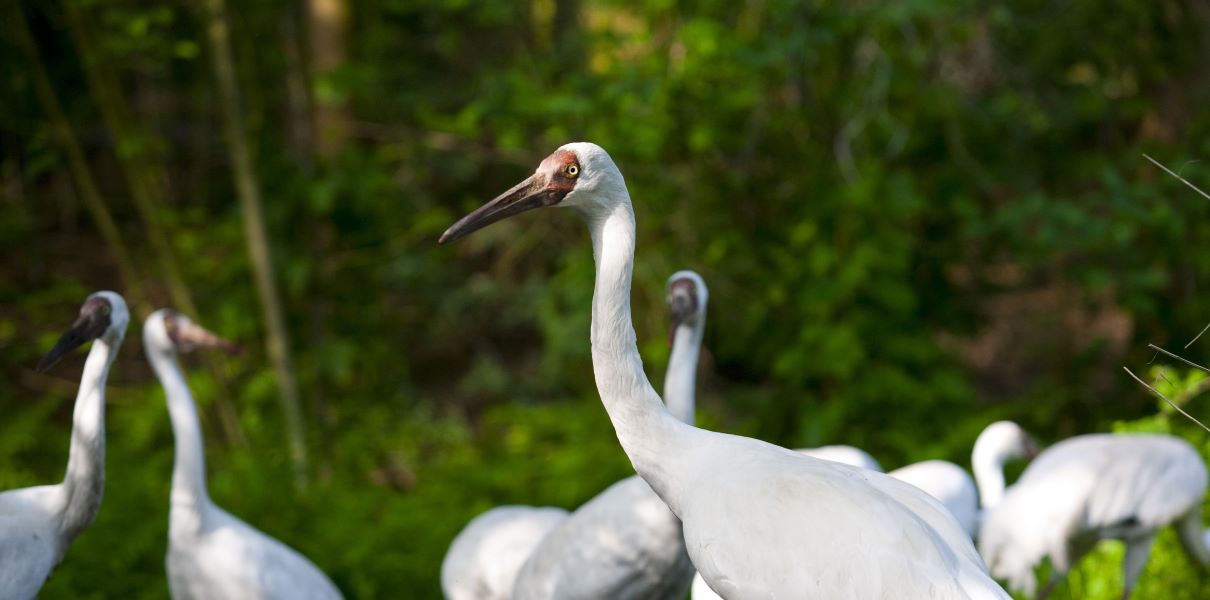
(247, 189)
(86, 186)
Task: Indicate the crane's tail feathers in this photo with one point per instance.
(1194, 539)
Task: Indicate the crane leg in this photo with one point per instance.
(1138, 550)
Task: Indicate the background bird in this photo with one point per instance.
(38, 524)
(211, 553)
(625, 543)
(1093, 487)
(485, 557)
(953, 486)
(848, 455)
(747, 506)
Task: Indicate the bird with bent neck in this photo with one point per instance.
(38, 524)
(211, 553)
(760, 521)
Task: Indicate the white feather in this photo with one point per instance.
(484, 559)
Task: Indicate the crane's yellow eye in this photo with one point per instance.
(573, 170)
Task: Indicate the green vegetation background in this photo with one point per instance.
(915, 217)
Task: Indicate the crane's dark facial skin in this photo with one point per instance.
(549, 185)
(188, 336)
(92, 323)
(682, 303)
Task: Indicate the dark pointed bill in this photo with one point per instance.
(91, 324)
(534, 192)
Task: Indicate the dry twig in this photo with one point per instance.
(1165, 398)
(1184, 360)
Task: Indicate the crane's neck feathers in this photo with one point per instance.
(189, 499)
(648, 433)
(84, 483)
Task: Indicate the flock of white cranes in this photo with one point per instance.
(708, 514)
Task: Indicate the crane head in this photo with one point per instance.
(188, 336)
(103, 313)
(568, 177)
(686, 300)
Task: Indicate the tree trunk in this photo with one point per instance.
(86, 186)
(248, 191)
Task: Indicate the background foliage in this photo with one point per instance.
(915, 217)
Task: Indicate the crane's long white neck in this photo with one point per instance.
(680, 383)
(988, 464)
(649, 434)
(84, 483)
(189, 499)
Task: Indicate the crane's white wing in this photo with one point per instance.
(29, 540)
(485, 557)
(848, 455)
(624, 543)
(1085, 488)
(780, 525)
(232, 560)
(949, 484)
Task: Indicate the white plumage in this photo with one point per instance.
(950, 485)
(211, 553)
(38, 524)
(1094, 487)
(847, 455)
(485, 557)
(953, 486)
(760, 521)
(625, 543)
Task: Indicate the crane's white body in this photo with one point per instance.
(485, 557)
(1094, 487)
(38, 524)
(760, 521)
(211, 553)
(847, 455)
(950, 484)
(625, 543)
(945, 481)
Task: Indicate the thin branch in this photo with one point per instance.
(1182, 179)
(1184, 360)
(1165, 398)
(1198, 335)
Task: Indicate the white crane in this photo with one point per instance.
(485, 557)
(211, 553)
(952, 485)
(38, 524)
(1094, 487)
(624, 543)
(760, 521)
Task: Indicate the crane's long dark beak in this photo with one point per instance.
(527, 195)
(93, 322)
